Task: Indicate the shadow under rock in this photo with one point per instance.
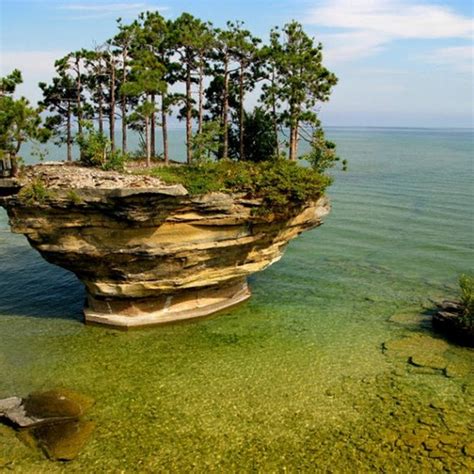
(31, 287)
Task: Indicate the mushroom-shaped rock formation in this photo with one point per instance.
(146, 252)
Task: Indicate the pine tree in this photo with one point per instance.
(191, 37)
(301, 80)
(18, 120)
(95, 81)
(123, 42)
(60, 99)
(146, 80)
(244, 51)
(72, 65)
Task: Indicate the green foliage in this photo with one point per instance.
(206, 143)
(213, 69)
(8, 83)
(466, 284)
(297, 80)
(94, 146)
(214, 94)
(96, 150)
(284, 186)
(60, 100)
(35, 192)
(74, 197)
(259, 137)
(133, 75)
(322, 154)
(18, 120)
(115, 161)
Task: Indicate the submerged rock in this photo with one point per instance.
(449, 320)
(57, 403)
(424, 353)
(60, 441)
(44, 407)
(147, 252)
(51, 421)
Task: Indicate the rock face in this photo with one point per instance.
(148, 253)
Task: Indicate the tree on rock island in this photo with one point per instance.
(19, 121)
(300, 82)
(154, 68)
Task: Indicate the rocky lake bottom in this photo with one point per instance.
(331, 366)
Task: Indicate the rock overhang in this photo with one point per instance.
(149, 254)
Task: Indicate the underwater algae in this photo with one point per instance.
(299, 377)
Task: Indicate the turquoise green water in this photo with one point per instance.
(311, 374)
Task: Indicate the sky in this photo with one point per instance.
(400, 63)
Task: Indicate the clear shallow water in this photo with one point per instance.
(310, 374)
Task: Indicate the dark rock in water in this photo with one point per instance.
(63, 441)
(449, 320)
(57, 404)
(51, 421)
(44, 407)
(452, 306)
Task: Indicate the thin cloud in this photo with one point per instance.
(370, 25)
(87, 11)
(31, 63)
(459, 57)
(35, 66)
(352, 45)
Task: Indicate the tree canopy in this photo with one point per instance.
(240, 98)
(19, 121)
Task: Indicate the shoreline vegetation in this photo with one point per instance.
(456, 318)
(153, 69)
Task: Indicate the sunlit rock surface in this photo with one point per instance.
(149, 253)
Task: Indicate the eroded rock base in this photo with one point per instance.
(137, 312)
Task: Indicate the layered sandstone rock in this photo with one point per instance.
(149, 253)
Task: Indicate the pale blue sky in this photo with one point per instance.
(399, 62)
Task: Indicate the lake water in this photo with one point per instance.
(331, 366)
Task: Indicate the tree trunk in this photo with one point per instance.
(225, 110)
(164, 128)
(290, 151)
(101, 115)
(293, 137)
(189, 152)
(112, 107)
(78, 97)
(241, 113)
(123, 107)
(274, 114)
(147, 141)
(292, 129)
(68, 133)
(14, 166)
(275, 130)
(123, 103)
(296, 140)
(201, 96)
(153, 127)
